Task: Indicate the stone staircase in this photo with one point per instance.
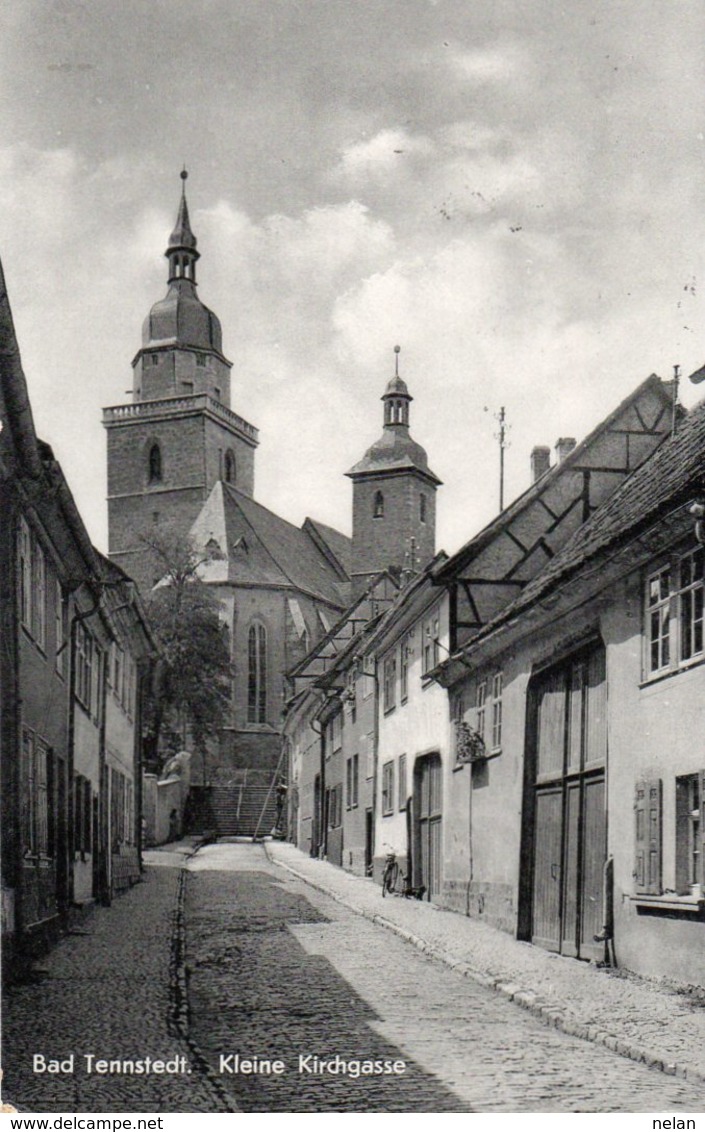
(237, 806)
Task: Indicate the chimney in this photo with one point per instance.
(540, 461)
(564, 447)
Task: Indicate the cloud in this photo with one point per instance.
(491, 65)
(382, 155)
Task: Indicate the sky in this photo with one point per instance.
(512, 192)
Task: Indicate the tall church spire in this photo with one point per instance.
(181, 252)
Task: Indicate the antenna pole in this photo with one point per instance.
(502, 433)
(674, 410)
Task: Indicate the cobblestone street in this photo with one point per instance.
(277, 969)
(271, 968)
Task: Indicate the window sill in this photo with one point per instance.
(684, 666)
(671, 902)
(389, 710)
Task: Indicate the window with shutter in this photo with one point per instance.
(690, 869)
(647, 831)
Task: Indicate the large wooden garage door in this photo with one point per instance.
(570, 833)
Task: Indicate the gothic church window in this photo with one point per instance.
(229, 467)
(155, 464)
(257, 675)
(378, 510)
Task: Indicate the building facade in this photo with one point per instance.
(59, 624)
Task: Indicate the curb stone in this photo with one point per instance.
(550, 1014)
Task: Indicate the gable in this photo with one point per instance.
(490, 572)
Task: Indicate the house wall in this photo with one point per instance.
(358, 739)
(655, 731)
(483, 808)
(43, 702)
(416, 728)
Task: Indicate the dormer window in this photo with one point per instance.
(155, 464)
(378, 509)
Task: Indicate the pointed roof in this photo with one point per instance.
(250, 545)
(182, 236)
(180, 319)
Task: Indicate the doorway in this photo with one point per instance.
(428, 812)
(565, 822)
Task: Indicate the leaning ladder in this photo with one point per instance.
(269, 794)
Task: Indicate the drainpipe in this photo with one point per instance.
(470, 855)
(375, 772)
(606, 935)
(142, 671)
(105, 866)
(318, 818)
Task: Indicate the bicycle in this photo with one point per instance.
(398, 883)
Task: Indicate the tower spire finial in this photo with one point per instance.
(397, 352)
(181, 252)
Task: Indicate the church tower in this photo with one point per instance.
(394, 496)
(178, 437)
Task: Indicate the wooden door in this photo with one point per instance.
(570, 831)
(428, 808)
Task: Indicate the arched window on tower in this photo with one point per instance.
(257, 674)
(155, 464)
(422, 508)
(378, 509)
(229, 468)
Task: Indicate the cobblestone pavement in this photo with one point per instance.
(641, 1019)
(278, 970)
(107, 991)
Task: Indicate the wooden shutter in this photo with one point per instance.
(647, 831)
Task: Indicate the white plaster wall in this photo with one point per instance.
(418, 727)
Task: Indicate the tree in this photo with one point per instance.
(190, 692)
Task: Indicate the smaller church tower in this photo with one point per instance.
(394, 496)
(179, 436)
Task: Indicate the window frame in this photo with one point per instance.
(666, 598)
(405, 653)
(430, 644)
(257, 674)
(389, 682)
(402, 794)
(387, 785)
(352, 771)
